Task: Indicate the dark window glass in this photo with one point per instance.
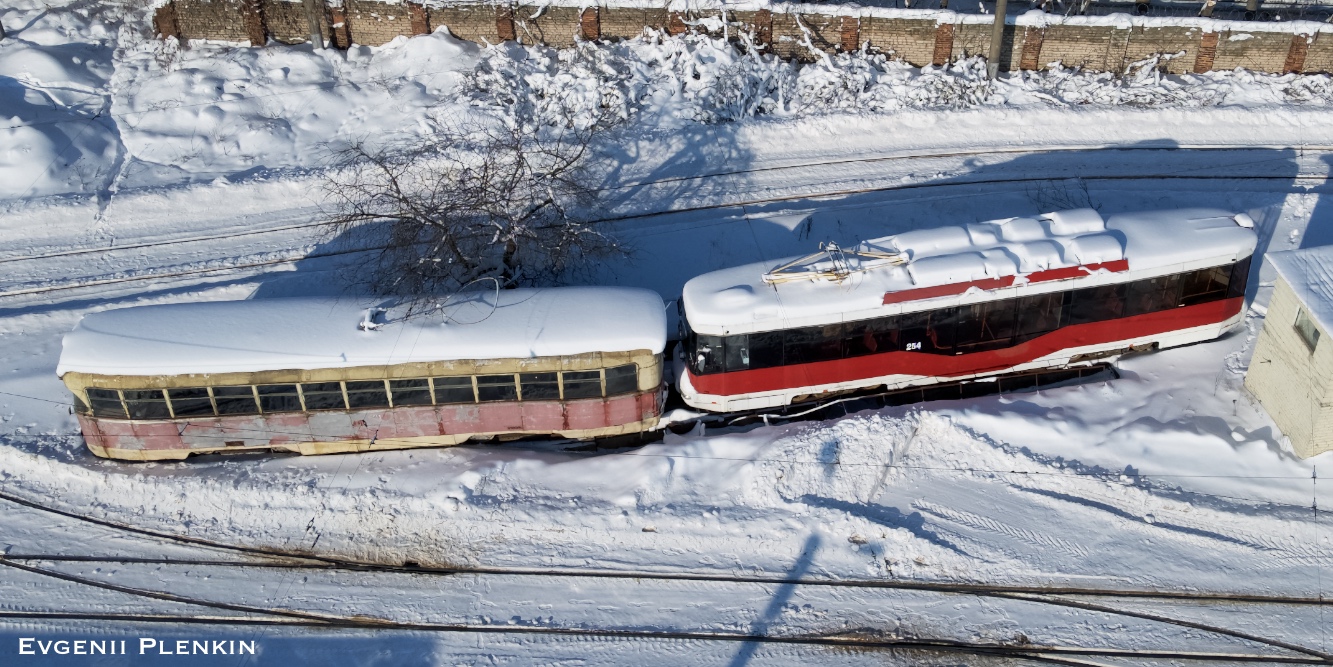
(1097, 304)
(582, 384)
(707, 356)
(738, 353)
(766, 349)
(1205, 285)
(496, 388)
(1152, 295)
(914, 333)
(870, 336)
(1240, 275)
(235, 400)
(1038, 314)
(279, 398)
(367, 394)
(106, 403)
(323, 396)
(941, 332)
(79, 406)
(809, 344)
(146, 404)
(410, 392)
(539, 386)
(986, 326)
(190, 402)
(454, 390)
(622, 380)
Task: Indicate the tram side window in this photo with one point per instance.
(410, 392)
(235, 400)
(496, 388)
(366, 394)
(1097, 304)
(146, 404)
(540, 386)
(708, 354)
(870, 336)
(1039, 314)
(106, 403)
(323, 396)
(1152, 295)
(190, 402)
(765, 349)
(582, 384)
(1240, 275)
(985, 326)
(808, 344)
(278, 398)
(737, 356)
(1205, 285)
(622, 380)
(454, 390)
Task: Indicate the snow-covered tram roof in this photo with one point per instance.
(934, 268)
(312, 333)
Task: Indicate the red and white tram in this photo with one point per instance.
(961, 302)
(319, 376)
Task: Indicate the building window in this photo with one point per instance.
(1306, 328)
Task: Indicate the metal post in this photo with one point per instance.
(996, 40)
(314, 16)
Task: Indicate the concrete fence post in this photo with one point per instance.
(996, 40)
(314, 16)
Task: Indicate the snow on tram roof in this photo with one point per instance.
(310, 333)
(954, 261)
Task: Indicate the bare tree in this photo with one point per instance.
(508, 202)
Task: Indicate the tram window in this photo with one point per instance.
(323, 396)
(79, 406)
(190, 402)
(765, 349)
(146, 404)
(914, 333)
(367, 394)
(870, 336)
(539, 386)
(940, 335)
(1240, 275)
(809, 344)
(410, 392)
(737, 353)
(708, 354)
(1038, 314)
(622, 379)
(454, 390)
(106, 403)
(279, 398)
(1152, 295)
(1097, 304)
(235, 400)
(496, 388)
(1205, 285)
(985, 326)
(582, 384)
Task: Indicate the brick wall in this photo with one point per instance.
(917, 41)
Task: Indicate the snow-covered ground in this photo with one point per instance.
(199, 180)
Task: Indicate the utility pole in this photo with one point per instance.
(314, 15)
(996, 40)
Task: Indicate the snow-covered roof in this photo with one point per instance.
(310, 333)
(913, 270)
(1309, 271)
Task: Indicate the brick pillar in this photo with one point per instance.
(851, 34)
(164, 21)
(340, 34)
(1203, 61)
(943, 53)
(252, 16)
(504, 23)
(420, 19)
(590, 24)
(1300, 46)
(763, 29)
(1032, 39)
(676, 24)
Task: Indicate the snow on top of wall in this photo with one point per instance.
(309, 333)
(1309, 272)
(737, 300)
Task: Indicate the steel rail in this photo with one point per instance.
(863, 639)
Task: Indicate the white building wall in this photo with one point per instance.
(1290, 381)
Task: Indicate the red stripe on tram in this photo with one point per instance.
(954, 289)
(945, 366)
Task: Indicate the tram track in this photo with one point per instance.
(858, 639)
(244, 265)
(1083, 598)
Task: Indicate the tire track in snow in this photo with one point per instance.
(978, 522)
